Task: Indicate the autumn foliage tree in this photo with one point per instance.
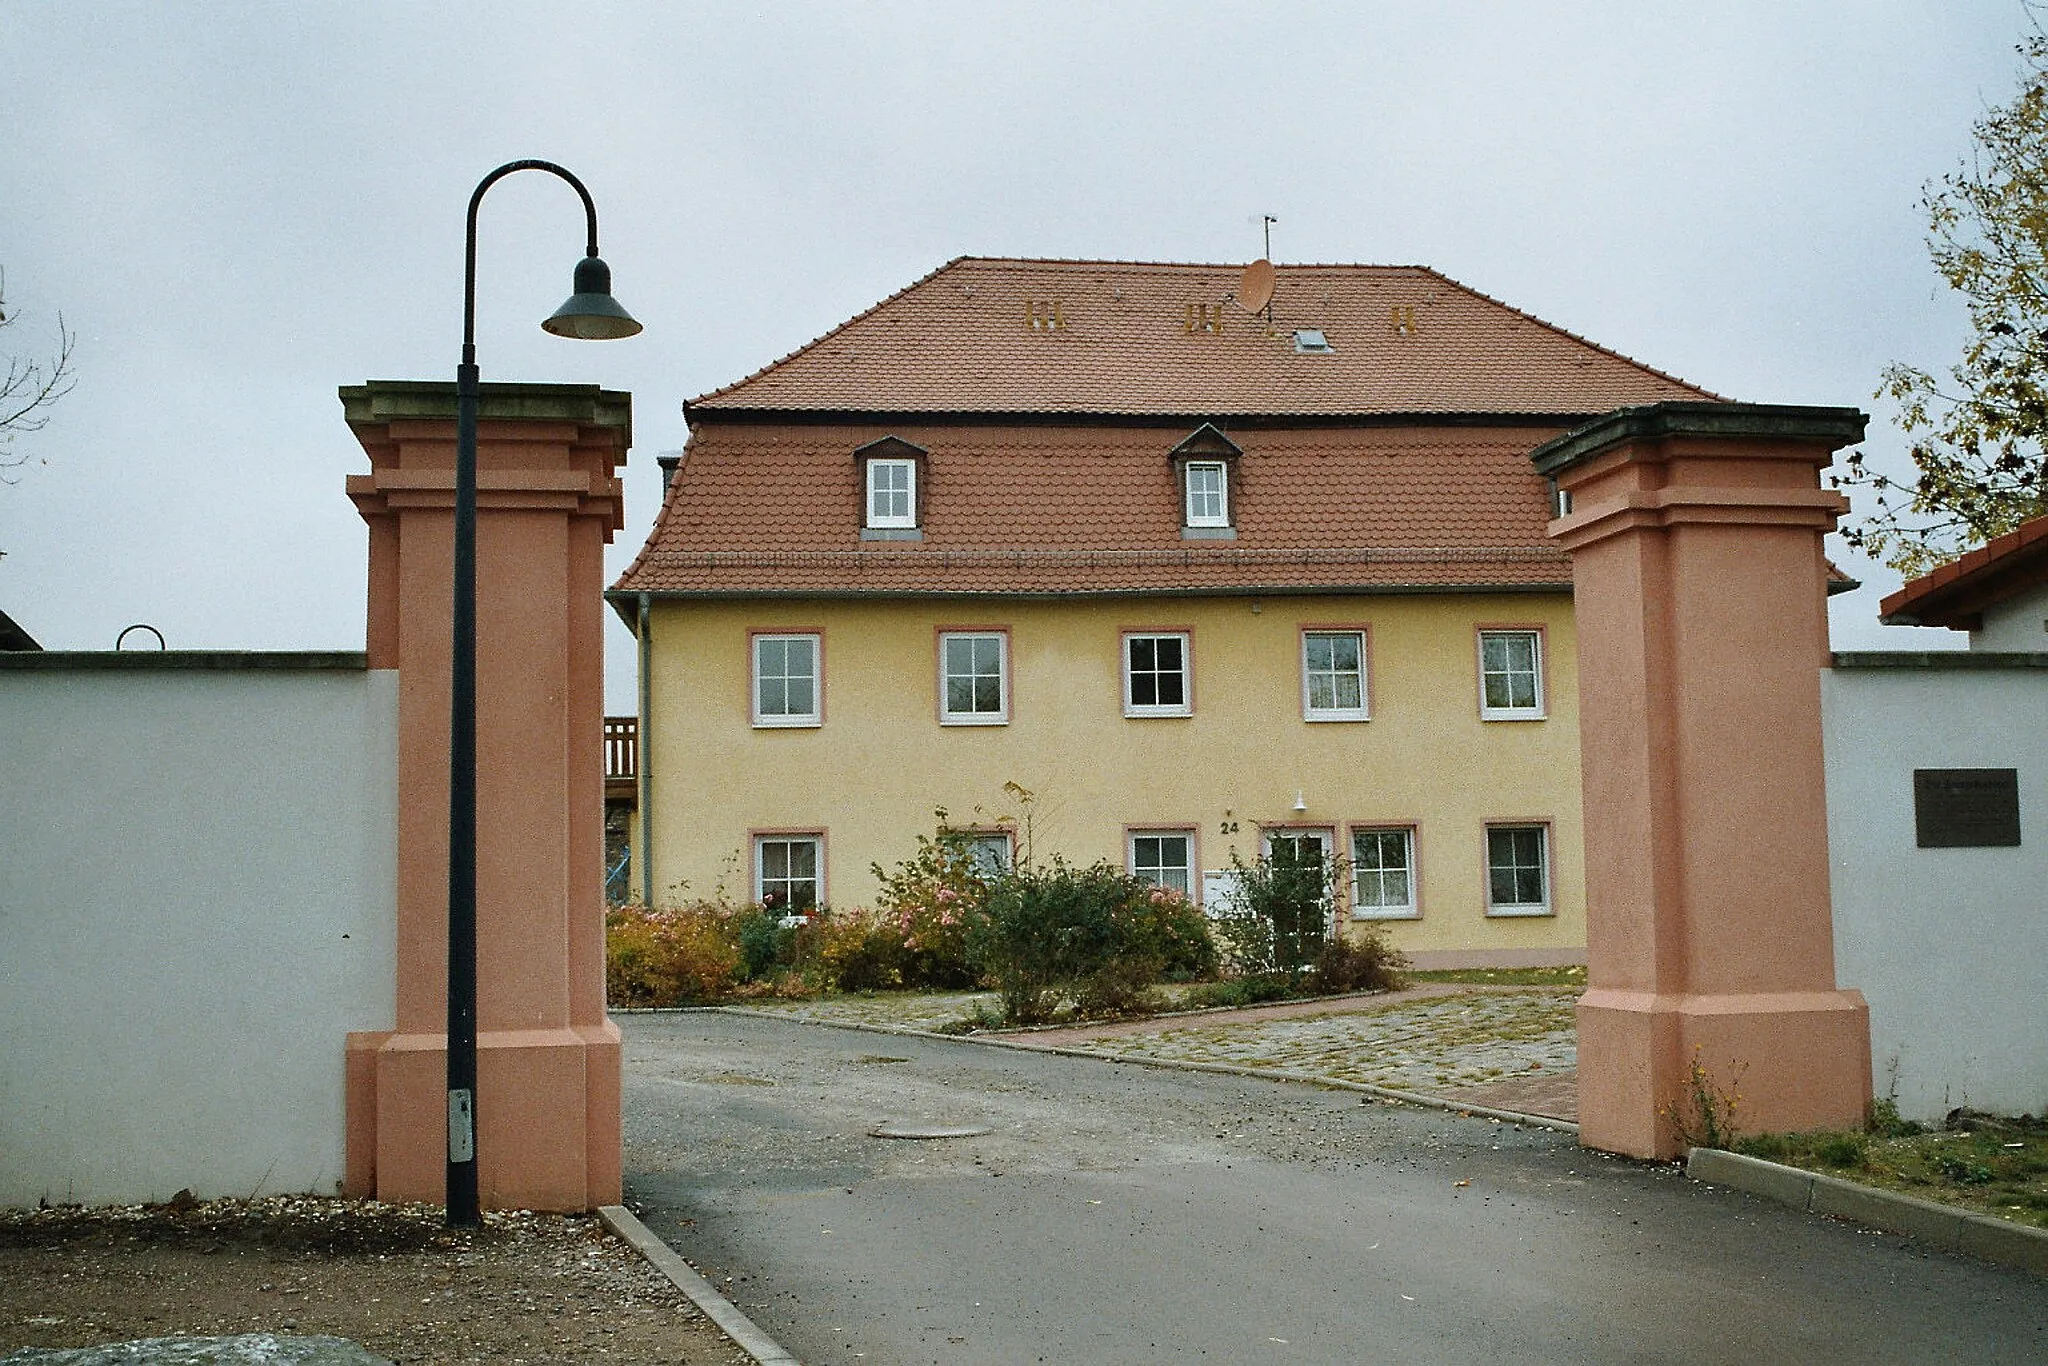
(1980, 434)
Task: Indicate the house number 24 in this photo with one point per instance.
(1229, 827)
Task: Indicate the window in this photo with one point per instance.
(1156, 675)
(892, 493)
(988, 851)
(786, 690)
(1164, 859)
(1333, 676)
(1208, 502)
(1383, 874)
(1511, 675)
(786, 869)
(1517, 870)
(973, 678)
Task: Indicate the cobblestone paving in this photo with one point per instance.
(1462, 1044)
(1451, 1043)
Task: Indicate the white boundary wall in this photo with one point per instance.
(197, 882)
(1949, 946)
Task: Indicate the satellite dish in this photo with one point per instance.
(1255, 289)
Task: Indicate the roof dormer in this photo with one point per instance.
(1205, 472)
(892, 480)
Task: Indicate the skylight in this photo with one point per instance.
(1311, 339)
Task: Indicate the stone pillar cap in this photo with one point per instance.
(1833, 427)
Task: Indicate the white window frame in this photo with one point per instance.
(789, 843)
(992, 852)
(1362, 869)
(891, 520)
(1309, 710)
(1541, 830)
(786, 719)
(1000, 716)
(1186, 705)
(1146, 871)
(1220, 515)
(1533, 711)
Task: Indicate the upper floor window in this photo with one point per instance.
(1511, 675)
(788, 679)
(1333, 676)
(1156, 674)
(1208, 493)
(892, 493)
(974, 684)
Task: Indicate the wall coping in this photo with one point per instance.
(226, 661)
(1836, 427)
(399, 400)
(1937, 659)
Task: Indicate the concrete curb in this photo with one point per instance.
(1950, 1229)
(1390, 1093)
(716, 1307)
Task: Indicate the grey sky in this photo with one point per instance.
(240, 207)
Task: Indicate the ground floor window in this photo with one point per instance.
(1164, 858)
(786, 869)
(1517, 870)
(988, 850)
(1383, 873)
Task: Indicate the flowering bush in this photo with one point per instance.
(670, 957)
(918, 935)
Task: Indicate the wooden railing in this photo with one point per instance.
(621, 748)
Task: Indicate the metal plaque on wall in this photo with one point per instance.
(1966, 808)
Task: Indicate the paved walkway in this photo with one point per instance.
(1508, 1048)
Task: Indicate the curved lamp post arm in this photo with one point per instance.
(469, 239)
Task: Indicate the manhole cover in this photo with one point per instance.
(910, 1129)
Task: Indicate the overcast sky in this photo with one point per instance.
(240, 207)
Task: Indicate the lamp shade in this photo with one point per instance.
(591, 313)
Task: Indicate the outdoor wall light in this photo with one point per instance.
(590, 313)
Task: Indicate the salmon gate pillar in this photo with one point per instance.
(548, 500)
(1699, 591)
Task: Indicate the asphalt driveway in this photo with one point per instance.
(1117, 1214)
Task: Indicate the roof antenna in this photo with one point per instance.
(1255, 287)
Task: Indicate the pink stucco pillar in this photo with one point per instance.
(1699, 591)
(548, 1057)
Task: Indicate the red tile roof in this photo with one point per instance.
(1404, 339)
(1397, 460)
(1072, 508)
(1956, 594)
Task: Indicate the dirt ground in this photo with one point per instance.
(527, 1288)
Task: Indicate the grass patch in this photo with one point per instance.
(1982, 1163)
(1574, 976)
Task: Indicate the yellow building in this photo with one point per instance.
(1091, 556)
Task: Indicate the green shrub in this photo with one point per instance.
(919, 939)
(764, 945)
(1841, 1150)
(1283, 914)
(1095, 934)
(1365, 961)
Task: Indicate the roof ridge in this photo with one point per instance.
(1545, 323)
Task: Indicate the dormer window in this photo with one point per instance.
(1205, 468)
(891, 471)
(1208, 493)
(892, 493)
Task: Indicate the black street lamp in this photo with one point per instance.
(592, 314)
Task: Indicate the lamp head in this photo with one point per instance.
(591, 313)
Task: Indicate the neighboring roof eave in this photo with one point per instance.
(1955, 594)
